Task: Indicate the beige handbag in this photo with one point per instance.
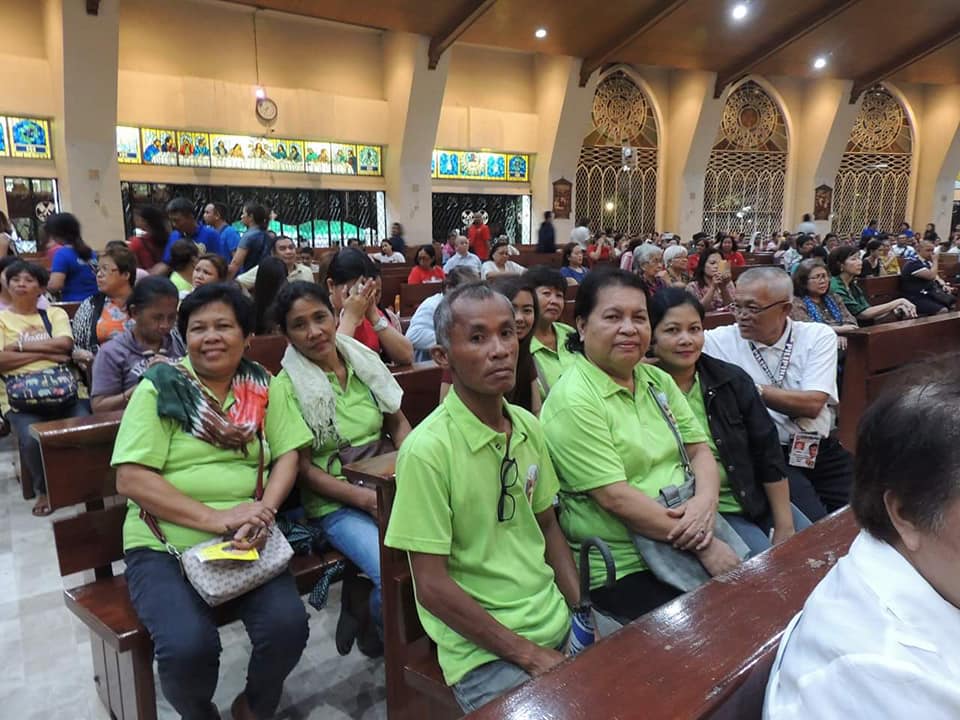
(220, 581)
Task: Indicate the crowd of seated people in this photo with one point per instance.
(533, 448)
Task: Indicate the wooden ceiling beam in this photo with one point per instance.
(801, 28)
(949, 34)
(656, 13)
(458, 26)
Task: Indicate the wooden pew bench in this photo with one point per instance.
(415, 686)
(707, 654)
(883, 354)
(76, 457)
(412, 295)
(881, 289)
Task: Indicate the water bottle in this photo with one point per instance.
(582, 631)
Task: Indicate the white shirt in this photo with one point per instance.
(813, 366)
(469, 260)
(807, 228)
(421, 332)
(581, 236)
(874, 640)
(396, 257)
(490, 268)
(300, 272)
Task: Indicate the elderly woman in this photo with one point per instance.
(352, 285)
(425, 268)
(351, 403)
(188, 451)
(878, 636)
(754, 494)
(571, 264)
(387, 254)
(845, 267)
(104, 315)
(609, 482)
(34, 340)
(711, 283)
(813, 301)
(499, 264)
(647, 264)
(674, 272)
(121, 362)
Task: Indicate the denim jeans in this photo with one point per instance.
(756, 534)
(355, 534)
(187, 644)
(29, 446)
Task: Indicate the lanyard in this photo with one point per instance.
(781, 367)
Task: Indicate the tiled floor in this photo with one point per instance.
(47, 670)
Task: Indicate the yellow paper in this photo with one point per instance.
(226, 551)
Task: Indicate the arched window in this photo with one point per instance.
(747, 170)
(617, 173)
(874, 176)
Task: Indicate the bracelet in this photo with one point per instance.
(381, 324)
(19, 345)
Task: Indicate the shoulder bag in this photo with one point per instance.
(679, 568)
(219, 581)
(42, 391)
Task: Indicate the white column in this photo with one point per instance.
(414, 95)
(83, 51)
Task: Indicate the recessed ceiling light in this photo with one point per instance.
(540, 33)
(739, 11)
(819, 63)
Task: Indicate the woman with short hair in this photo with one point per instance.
(610, 482)
(675, 266)
(878, 636)
(104, 315)
(499, 262)
(183, 258)
(193, 443)
(813, 301)
(571, 264)
(351, 403)
(425, 268)
(647, 264)
(210, 268)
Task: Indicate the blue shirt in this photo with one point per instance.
(229, 241)
(81, 277)
(421, 332)
(204, 235)
(254, 241)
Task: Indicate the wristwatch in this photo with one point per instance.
(381, 324)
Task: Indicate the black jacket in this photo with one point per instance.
(745, 436)
(546, 238)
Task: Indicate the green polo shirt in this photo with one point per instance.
(598, 434)
(727, 502)
(448, 487)
(214, 476)
(552, 363)
(359, 420)
(853, 297)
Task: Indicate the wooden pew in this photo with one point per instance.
(412, 295)
(718, 318)
(415, 686)
(391, 278)
(948, 267)
(882, 354)
(759, 258)
(267, 350)
(529, 257)
(881, 289)
(76, 458)
(69, 307)
(421, 389)
(705, 655)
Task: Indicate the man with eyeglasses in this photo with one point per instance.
(493, 574)
(794, 365)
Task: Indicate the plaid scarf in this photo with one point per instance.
(181, 397)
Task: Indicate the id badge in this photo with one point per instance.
(803, 450)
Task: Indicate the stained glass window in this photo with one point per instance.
(343, 159)
(369, 159)
(159, 146)
(29, 138)
(128, 145)
(4, 143)
(193, 149)
(471, 165)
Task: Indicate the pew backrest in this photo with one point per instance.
(882, 289)
(267, 350)
(412, 295)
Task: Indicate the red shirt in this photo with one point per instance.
(604, 253)
(735, 259)
(692, 262)
(146, 251)
(419, 276)
(479, 237)
(367, 335)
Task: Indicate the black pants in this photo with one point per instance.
(826, 487)
(632, 596)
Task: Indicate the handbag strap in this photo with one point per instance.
(151, 520)
(661, 401)
(46, 321)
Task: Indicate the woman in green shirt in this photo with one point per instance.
(845, 266)
(188, 452)
(351, 401)
(614, 451)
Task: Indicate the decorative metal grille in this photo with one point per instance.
(503, 214)
(873, 180)
(316, 217)
(746, 173)
(611, 197)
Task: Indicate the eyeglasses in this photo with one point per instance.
(752, 311)
(101, 270)
(509, 476)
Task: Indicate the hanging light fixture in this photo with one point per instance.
(266, 108)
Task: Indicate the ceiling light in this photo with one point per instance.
(540, 33)
(609, 206)
(260, 93)
(739, 11)
(820, 63)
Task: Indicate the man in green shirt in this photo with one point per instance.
(492, 571)
(548, 346)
